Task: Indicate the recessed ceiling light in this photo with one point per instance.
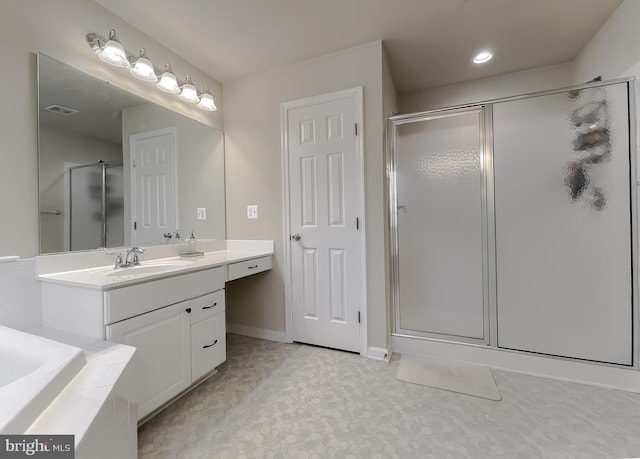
(482, 57)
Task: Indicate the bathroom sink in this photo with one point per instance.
(150, 268)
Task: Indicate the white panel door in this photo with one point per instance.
(324, 248)
(154, 186)
(563, 224)
(163, 353)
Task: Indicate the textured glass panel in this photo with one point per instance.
(86, 207)
(440, 248)
(562, 203)
(115, 207)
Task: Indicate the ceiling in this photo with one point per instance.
(428, 43)
(99, 104)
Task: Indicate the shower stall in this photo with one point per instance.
(512, 224)
(95, 203)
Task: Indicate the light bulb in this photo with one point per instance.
(206, 101)
(168, 82)
(482, 57)
(188, 92)
(143, 68)
(113, 53)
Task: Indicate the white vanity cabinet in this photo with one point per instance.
(163, 353)
(177, 343)
(177, 325)
(176, 320)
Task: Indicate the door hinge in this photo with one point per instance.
(357, 223)
(356, 129)
(134, 163)
(358, 316)
(135, 225)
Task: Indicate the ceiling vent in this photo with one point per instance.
(59, 109)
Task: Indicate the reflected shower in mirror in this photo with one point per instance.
(116, 169)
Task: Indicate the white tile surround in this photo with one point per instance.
(19, 294)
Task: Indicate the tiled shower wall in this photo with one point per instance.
(19, 295)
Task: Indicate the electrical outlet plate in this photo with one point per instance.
(201, 213)
(252, 211)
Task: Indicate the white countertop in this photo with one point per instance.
(105, 277)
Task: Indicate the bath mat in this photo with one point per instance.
(449, 375)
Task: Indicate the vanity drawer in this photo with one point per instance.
(207, 306)
(208, 345)
(249, 267)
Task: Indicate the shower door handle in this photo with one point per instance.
(295, 237)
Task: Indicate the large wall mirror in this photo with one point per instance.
(118, 170)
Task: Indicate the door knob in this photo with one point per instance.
(295, 237)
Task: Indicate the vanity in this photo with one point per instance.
(170, 308)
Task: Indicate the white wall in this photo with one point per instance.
(539, 79)
(58, 28)
(19, 295)
(613, 52)
(200, 162)
(254, 175)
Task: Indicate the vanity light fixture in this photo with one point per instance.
(168, 82)
(206, 100)
(482, 57)
(188, 92)
(112, 52)
(143, 68)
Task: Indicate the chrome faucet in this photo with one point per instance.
(135, 261)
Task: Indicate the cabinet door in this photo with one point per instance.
(162, 359)
(208, 345)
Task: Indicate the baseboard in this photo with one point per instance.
(262, 333)
(378, 353)
(626, 379)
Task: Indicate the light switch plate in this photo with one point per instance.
(252, 212)
(201, 213)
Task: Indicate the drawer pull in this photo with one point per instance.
(252, 267)
(209, 345)
(188, 310)
(209, 307)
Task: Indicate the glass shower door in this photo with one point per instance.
(440, 253)
(564, 224)
(85, 213)
(96, 206)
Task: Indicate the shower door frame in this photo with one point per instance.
(487, 221)
(487, 137)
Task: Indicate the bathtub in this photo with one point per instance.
(33, 371)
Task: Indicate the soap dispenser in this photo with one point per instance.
(191, 243)
(190, 247)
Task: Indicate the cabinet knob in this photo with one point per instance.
(188, 310)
